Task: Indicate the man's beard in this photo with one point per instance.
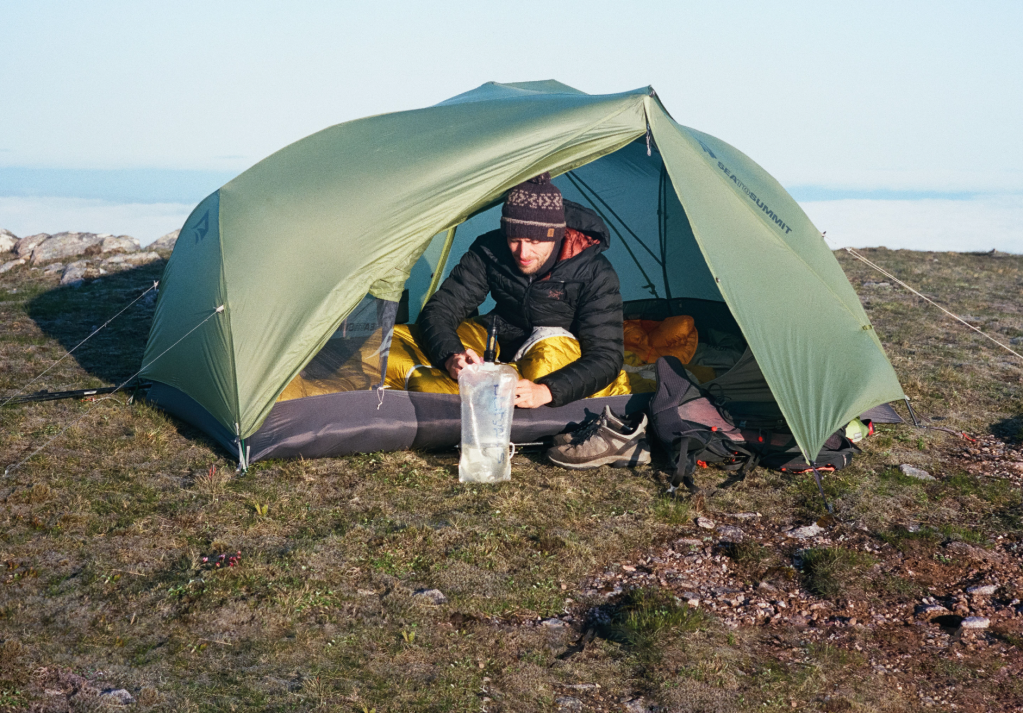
(542, 267)
(532, 269)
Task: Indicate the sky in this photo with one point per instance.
(893, 123)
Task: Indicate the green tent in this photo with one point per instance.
(338, 225)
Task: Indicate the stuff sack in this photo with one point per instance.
(693, 428)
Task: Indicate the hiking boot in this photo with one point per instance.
(605, 444)
(586, 430)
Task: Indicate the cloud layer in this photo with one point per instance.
(145, 221)
(977, 223)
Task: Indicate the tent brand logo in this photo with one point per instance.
(202, 227)
(706, 148)
(753, 197)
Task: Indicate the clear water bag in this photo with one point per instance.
(488, 402)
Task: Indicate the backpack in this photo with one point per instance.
(779, 451)
(685, 419)
(694, 423)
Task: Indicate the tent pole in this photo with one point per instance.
(662, 231)
(441, 263)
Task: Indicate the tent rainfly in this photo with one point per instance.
(315, 246)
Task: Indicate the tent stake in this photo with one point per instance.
(912, 413)
(820, 488)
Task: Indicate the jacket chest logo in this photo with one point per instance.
(554, 292)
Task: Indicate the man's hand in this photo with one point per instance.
(458, 361)
(531, 395)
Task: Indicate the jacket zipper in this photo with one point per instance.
(525, 306)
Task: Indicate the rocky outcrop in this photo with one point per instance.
(131, 260)
(118, 243)
(11, 264)
(43, 248)
(165, 242)
(27, 244)
(64, 245)
(7, 240)
(51, 251)
(74, 274)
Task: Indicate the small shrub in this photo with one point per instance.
(748, 555)
(673, 511)
(899, 586)
(644, 614)
(830, 572)
(904, 539)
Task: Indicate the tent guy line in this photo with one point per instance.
(110, 396)
(95, 332)
(928, 299)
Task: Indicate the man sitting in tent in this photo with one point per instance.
(559, 309)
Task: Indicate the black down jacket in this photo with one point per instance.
(580, 294)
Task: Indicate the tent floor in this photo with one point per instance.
(366, 421)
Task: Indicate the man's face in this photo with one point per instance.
(530, 255)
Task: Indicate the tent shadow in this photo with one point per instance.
(1009, 430)
(70, 314)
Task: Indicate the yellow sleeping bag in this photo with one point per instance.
(409, 369)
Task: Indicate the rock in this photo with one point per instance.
(7, 240)
(638, 705)
(165, 242)
(688, 542)
(917, 473)
(27, 244)
(975, 622)
(1016, 340)
(746, 515)
(977, 554)
(132, 260)
(807, 531)
(567, 703)
(124, 243)
(929, 611)
(11, 265)
(731, 534)
(64, 245)
(118, 696)
(434, 596)
(53, 267)
(705, 522)
(691, 598)
(877, 285)
(555, 624)
(984, 590)
(74, 274)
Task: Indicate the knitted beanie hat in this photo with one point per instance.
(534, 210)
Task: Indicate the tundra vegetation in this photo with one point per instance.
(133, 556)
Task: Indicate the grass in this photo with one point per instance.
(831, 572)
(645, 615)
(103, 535)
